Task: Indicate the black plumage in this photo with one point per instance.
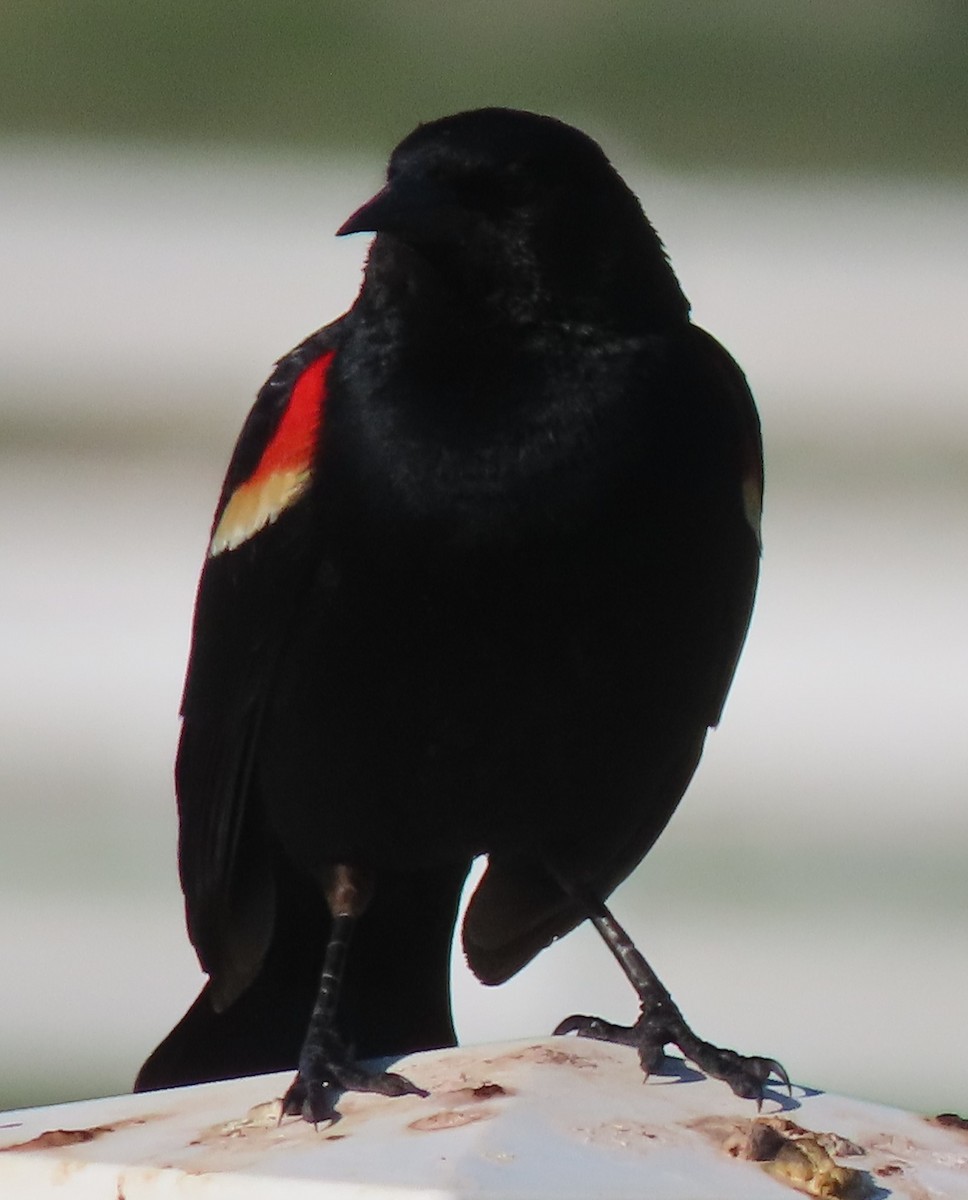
(482, 567)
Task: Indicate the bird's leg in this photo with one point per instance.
(661, 1023)
(326, 1066)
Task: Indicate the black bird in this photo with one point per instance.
(477, 582)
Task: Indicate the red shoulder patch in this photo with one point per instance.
(284, 470)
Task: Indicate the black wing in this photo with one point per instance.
(261, 555)
(519, 908)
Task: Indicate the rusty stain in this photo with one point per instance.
(450, 1118)
(487, 1091)
(473, 1094)
(537, 1053)
(889, 1169)
(950, 1121)
(56, 1139)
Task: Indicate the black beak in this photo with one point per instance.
(414, 210)
(375, 215)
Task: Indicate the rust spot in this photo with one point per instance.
(950, 1121)
(56, 1139)
(450, 1118)
(488, 1090)
(889, 1169)
(474, 1094)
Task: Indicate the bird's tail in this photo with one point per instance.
(395, 997)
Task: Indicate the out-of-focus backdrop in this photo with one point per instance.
(170, 176)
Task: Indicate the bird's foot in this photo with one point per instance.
(747, 1075)
(326, 1072)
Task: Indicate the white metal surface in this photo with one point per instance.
(557, 1117)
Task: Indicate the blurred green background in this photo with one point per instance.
(748, 85)
(170, 175)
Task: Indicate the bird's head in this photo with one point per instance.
(519, 218)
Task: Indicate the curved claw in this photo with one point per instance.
(769, 1066)
(313, 1100)
(590, 1027)
(313, 1096)
(745, 1075)
(760, 1070)
(573, 1024)
(598, 1030)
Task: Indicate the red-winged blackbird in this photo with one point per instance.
(477, 582)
